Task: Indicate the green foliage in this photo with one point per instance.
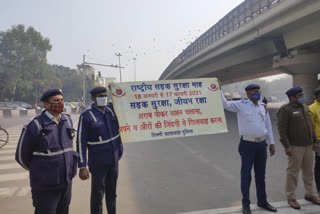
(25, 74)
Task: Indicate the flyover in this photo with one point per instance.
(258, 38)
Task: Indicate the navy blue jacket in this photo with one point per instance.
(46, 150)
(98, 132)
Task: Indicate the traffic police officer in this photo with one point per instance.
(298, 139)
(45, 149)
(254, 128)
(98, 132)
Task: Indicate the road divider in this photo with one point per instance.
(7, 113)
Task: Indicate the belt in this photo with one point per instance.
(253, 139)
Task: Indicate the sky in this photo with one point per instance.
(152, 31)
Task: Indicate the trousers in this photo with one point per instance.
(317, 172)
(53, 201)
(253, 154)
(301, 159)
(104, 182)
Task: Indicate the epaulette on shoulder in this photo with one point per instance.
(244, 100)
(85, 112)
(30, 120)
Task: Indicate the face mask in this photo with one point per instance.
(300, 100)
(255, 96)
(57, 107)
(102, 101)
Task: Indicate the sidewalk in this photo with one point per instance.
(283, 208)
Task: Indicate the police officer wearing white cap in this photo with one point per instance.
(45, 149)
(254, 129)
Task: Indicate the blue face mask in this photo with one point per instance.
(300, 100)
(256, 96)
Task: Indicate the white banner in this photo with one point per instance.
(154, 110)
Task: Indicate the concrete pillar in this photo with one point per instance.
(304, 68)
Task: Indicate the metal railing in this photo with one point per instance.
(245, 12)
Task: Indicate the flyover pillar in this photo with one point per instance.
(304, 69)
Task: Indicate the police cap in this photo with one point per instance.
(98, 90)
(252, 87)
(50, 93)
(293, 91)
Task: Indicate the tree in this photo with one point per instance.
(23, 55)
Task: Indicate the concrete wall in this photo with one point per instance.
(23, 113)
(17, 113)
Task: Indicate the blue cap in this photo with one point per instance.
(98, 90)
(293, 91)
(51, 92)
(317, 92)
(252, 87)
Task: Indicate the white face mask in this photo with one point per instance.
(102, 101)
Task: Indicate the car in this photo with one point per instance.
(67, 107)
(23, 104)
(10, 106)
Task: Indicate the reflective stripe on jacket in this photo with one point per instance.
(46, 150)
(98, 132)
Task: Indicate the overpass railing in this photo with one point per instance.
(245, 12)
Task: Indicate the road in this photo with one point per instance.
(160, 177)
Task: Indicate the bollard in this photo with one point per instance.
(23, 113)
(31, 112)
(15, 113)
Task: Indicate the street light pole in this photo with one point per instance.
(119, 55)
(84, 79)
(36, 101)
(134, 61)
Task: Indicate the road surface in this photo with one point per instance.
(160, 177)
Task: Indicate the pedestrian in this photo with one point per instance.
(315, 117)
(298, 139)
(264, 100)
(254, 129)
(45, 149)
(98, 133)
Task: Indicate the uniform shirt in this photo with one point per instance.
(98, 133)
(295, 125)
(53, 118)
(315, 116)
(253, 120)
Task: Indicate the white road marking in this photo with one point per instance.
(10, 166)
(204, 160)
(9, 146)
(24, 191)
(14, 176)
(7, 192)
(7, 151)
(15, 191)
(5, 158)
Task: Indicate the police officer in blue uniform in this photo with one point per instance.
(254, 129)
(45, 149)
(98, 132)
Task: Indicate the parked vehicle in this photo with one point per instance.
(23, 104)
(67, 107)
(10, 106)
